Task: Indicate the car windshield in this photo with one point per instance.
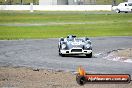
(130, 4)
(79, 40)
(70, 39)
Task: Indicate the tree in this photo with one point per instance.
(10, 2)
(21, 2)
(114, 2)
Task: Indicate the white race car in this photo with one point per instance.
(74, 45)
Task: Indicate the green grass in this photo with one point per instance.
(97, 24)
(44, 17)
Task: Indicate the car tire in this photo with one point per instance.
(81, 80)
(117, 11)
(59, 51)
(60, 54)
(63, 55)
(89, 55)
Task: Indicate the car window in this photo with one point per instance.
(120, 4)
(130, 4)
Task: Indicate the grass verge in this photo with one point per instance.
(96, 25)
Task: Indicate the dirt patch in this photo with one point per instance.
(124, 55)
(39, 78)
(35, 78)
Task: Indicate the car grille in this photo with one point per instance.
(76, 50)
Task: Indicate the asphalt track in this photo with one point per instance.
(43, 53)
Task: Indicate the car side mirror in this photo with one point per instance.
(61, 39)
(86, 39)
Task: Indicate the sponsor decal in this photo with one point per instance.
(82, 78)
(76, 43)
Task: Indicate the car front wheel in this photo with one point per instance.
(63, 55)
(89, 55)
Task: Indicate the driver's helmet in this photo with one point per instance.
(70, 37)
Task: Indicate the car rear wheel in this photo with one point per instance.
(117, 11)
(89, 55)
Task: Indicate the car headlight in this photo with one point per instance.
(87, 46)
(89, 42)
(63, 46)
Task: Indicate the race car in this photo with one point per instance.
(73, 45)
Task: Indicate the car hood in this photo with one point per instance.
(75, 44)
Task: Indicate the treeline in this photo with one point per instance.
(36, 2)
(19, 2)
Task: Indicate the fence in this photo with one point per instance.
(69, 2)
(57, 7)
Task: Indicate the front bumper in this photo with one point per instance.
(75, 51)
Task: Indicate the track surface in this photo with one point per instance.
(43, 53)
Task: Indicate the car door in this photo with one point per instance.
(121, 6)
(126, 7)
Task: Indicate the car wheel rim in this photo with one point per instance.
(117, 11)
